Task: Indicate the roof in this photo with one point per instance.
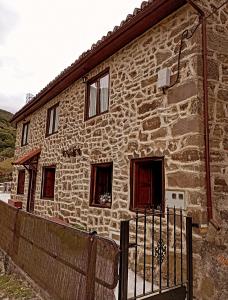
(27, 157)
(143, 18)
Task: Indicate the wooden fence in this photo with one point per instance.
(65, 262)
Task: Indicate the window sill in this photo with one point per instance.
(148, 210)
(90, 118)
(50, 134)
(101, 205)
(46, 198)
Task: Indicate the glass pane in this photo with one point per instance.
(92, 99)
(56, 119)
(51, 115)
(103, 185)
(25, 133)
(104, 82)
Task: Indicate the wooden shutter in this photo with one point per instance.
(49, 183)
(143, 185)
(21, 182)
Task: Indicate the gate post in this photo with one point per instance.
(123, 269)
(189, 258)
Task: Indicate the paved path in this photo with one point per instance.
(4, 197)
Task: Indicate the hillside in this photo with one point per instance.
(7, 144)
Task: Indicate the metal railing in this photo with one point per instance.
(156, 254)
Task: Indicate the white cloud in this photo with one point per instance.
(49, 35)
(8, 20)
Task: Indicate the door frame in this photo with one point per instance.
(31, 189)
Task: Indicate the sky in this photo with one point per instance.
(40, 38)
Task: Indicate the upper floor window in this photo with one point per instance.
(147, 183)
(97, 95)
(25, 133)
(48, 183)
(52, 120)
(21, 182)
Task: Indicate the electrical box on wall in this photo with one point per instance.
(164, 78)
(175, 198)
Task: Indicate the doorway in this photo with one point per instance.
(31, 190)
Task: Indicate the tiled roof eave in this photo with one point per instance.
(27, 157)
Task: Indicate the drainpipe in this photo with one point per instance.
(206, 117)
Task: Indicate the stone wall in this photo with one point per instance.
(144, 122)
(141, 122)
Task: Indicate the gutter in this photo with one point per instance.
(202, 19)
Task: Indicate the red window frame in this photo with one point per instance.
(96, 79)
(21, 182)
(48, 182)
(97, 188)
(147, 178)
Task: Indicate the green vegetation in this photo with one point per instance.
(7, 144)
(79, 227)
(12, 287)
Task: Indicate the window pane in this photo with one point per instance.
(56, 119)
(92, 99)
(103, 181)
(101, 185)
(25, 134)
(51, 116)
(104, 83)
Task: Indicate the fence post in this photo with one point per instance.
(189, 258)
(91, 270)
(123, 269)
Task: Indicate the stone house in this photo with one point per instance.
(107, 137)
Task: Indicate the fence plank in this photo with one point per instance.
(64, 261)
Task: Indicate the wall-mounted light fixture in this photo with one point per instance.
(84, 79)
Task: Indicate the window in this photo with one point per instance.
(147, 184)
(101, 185)
(52, 120)
(21, 182)
(97, 95)
(48, 182)
(25, 133)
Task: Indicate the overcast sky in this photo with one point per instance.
(39, 38)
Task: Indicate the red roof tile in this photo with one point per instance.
(27, 157)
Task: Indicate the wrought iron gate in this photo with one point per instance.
(156, 256)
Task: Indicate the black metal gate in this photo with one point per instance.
(156, 256)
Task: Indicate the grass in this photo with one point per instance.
(13, 288)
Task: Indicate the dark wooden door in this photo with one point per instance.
(31, 190)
